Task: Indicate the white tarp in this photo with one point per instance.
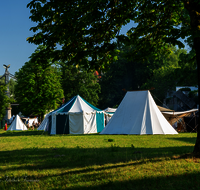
(138, 114)
(173, 117)
(181, 112)
(30, 120)
(110, 109)
(17, 125)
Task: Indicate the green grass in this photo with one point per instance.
(35, 160)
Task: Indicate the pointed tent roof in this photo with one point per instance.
(17, 125)
(76, 104)
(138, 114)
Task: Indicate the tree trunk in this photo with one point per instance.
(197, 49)
(193, 8)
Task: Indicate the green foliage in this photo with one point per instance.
(160, 74)
(171, 73)
(77, 81)
(38, 87)
(12, 84)
(4, 101)
(123, 75)
(86, 29)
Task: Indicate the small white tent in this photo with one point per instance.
(138, 114)
(17, 125)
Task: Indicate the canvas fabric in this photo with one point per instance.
(83, 118)
(17, 125)
(138, 114)
(44, 124)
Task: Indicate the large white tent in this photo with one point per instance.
(138, 114)
(17, 125)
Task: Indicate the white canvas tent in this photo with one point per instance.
(138, 114)
(45, 123)
(17, 125)
(77, 116)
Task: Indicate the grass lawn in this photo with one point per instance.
(35, 160)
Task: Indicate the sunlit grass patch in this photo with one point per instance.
(40, 161)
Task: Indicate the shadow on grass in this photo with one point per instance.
(99, 179)
(50, 158)
(191, 140)
(174, 182)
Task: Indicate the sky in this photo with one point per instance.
(14, 30)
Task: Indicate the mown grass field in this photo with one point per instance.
(35, 160)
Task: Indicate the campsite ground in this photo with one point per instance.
(35, 160)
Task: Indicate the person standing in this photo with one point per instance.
(5, 127)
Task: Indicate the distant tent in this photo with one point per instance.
(112, 110)
(45, 123)
(30, 120)
(138, 114)
(77, 116)
(11, 119)
(17, 125)
(109, 112)
(173, 117)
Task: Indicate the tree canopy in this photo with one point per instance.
(78, 81)
(87, 29)
(38, 87)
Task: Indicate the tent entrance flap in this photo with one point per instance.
(62, 124)
(76, 123)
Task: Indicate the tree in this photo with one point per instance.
(173, 71)
(162, 74)
(86, 28)
(12, 84)
(77, 81)
(38, 87)
(124, 75)
(4, 101)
